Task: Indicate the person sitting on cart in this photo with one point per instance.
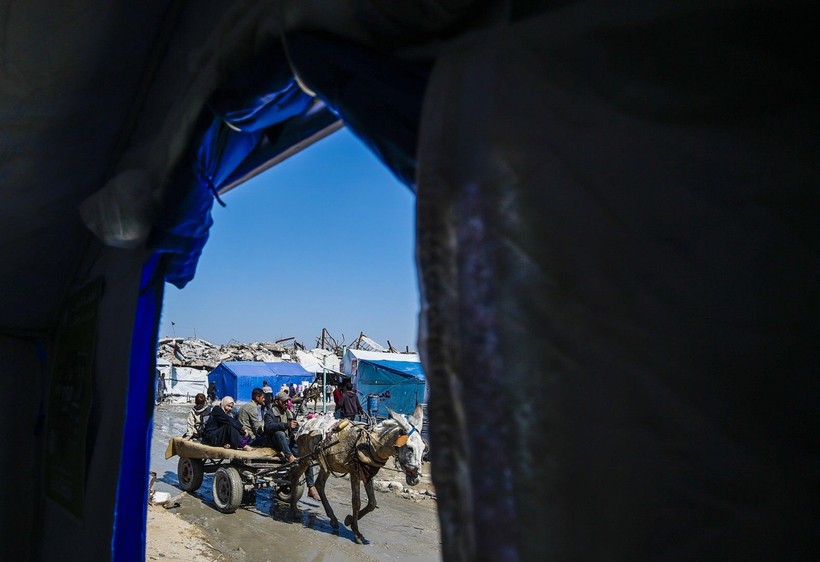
(195, 423)
(251, 417)
(281, 426)
(223, 430)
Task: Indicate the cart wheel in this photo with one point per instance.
(190, 473)
(283, 492)
(228, 489)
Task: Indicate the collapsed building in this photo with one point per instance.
(199, 353)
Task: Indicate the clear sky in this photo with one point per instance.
(325, 239)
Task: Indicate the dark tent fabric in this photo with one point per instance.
(616, 206)
(239, 378)
(240, 112)
(378, 97)
(398, 385)
(381, 107)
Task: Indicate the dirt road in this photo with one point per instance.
(404, 527)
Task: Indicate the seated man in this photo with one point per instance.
(251, 417)
(280, 426)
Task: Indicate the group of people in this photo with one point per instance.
(267, 420)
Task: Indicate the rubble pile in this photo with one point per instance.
(198, 353)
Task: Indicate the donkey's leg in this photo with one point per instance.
(321, 480)
(371, 503)
(356, 503)
(295, 474)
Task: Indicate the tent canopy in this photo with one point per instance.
(239, 378)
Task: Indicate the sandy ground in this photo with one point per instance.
(172, 538)
(404, 528)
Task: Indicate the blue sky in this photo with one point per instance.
(323, 240)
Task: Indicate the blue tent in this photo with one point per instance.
(399, 385)
(239, 378)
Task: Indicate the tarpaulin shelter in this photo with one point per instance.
(239, 378)
(386, 380)
(185, 383)
(318, 360)
(616, 223)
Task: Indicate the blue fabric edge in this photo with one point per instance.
(131, 509)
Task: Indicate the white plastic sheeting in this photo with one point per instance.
(186, 383)
(317, 359)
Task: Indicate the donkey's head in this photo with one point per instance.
(410, 445)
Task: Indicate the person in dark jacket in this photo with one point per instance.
(349, 403)
(224, 430)
(281, 426)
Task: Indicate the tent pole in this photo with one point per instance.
(324, 379)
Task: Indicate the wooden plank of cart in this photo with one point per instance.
(237, 474)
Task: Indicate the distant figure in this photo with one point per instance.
(266, 388)
(212, 392)
(337, 395)
(197, 417)
(161, 388)
(349, 403)
(292, 390)
(223, 430)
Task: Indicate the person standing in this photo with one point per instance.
(250, 416)
(337, 395)
(349, 403)
(212, 397)
(266, 388)
(162, 389)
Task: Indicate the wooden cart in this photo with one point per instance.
(237, 474)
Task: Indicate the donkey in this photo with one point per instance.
(360, 452)
(313, 393)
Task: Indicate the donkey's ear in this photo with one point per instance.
(418, 416)
(393, 414)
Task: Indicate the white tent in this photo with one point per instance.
(186, 382)
(316, 360)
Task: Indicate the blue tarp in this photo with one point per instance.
(239, 378)
(403, 380)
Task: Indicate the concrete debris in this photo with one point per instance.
(198, 353)
(202, 354)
